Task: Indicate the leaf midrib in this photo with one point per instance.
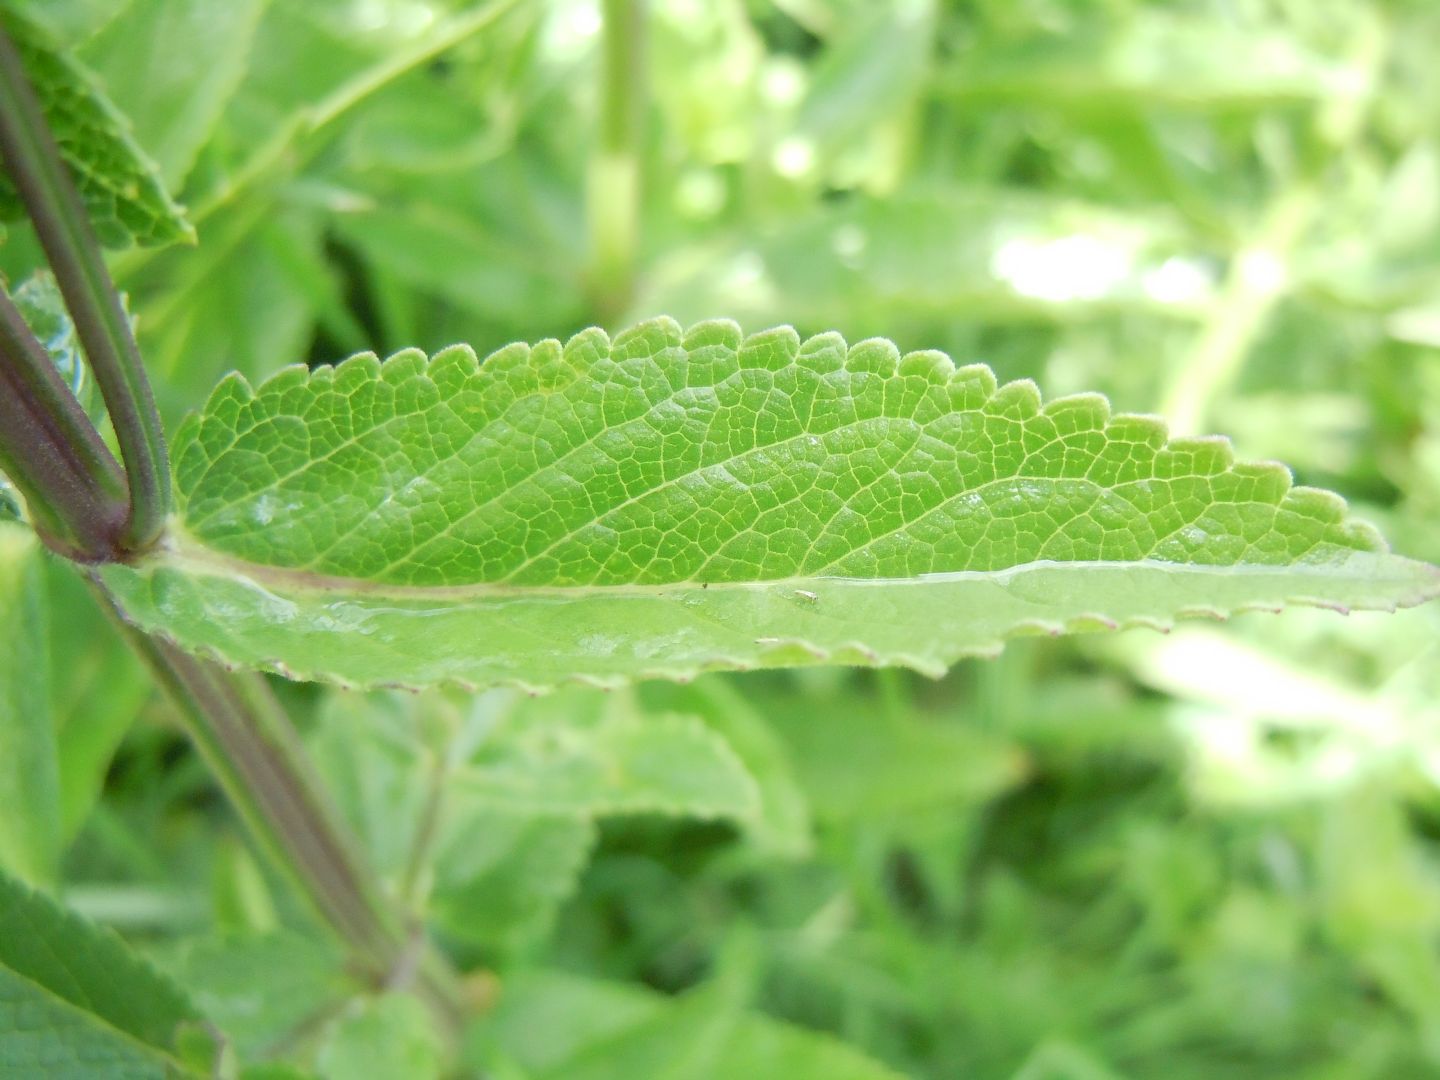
(187, 555)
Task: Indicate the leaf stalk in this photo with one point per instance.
(54, 207)
(613, 189)
(246, 739)
(73, 487)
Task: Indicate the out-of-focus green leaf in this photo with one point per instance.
(197, 329)
(868, 78)
(1152, 57)
(489, 874)
(72, 21)
(126, 198)
(170, 66)
(75, 1002)
(29, 774)
(447, 239)
(553, 1025)
(706, 62)
(782, 823)
(910, 763)
(389, 1037)
(500, 876)
(1380, 899)
(488, 805)
(262, 990)
(567, 755)
(98, 687)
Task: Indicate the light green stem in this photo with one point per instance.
(613, 185)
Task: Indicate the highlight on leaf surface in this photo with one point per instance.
(676, 501)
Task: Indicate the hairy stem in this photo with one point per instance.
(249, 744)
(73, 487)
(613, 185)
(53, 205)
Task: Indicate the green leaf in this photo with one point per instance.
(76, 1002)
(125, 197)
(781, 824)
(674, 502)
(555, 1025)
(868, 77)
(1153, 59)
(909, 763)
(304, 979)
(171, 66)
(29, 772)
(98, 687)
(501, 875)
(490, 874)
(576, 753)
(69, 690)
(496, 795)
(992, 253)
(391, 1037)
(39, 302)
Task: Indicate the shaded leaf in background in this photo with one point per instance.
(97, 690)
(1005, 254)
(29, 771)
(1154, 58)
(504, 792)
(388, 1037)
(264, 990)
(556, 1025)
(170, 66)
(76, 1002)
(782, 822)
(489, 875)
(912, 762)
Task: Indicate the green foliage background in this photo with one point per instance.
(1212, 853)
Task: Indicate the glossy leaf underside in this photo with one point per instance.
(676, 501)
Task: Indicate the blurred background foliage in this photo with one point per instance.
(1212, 853)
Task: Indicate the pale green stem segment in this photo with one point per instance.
(250, 746)
(54, 207)
(1257, 278)
(613, 184)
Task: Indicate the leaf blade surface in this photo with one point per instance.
(673, 502)
(119, 185)
(76, 1001)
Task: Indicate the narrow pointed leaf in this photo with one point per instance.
(672, 502)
